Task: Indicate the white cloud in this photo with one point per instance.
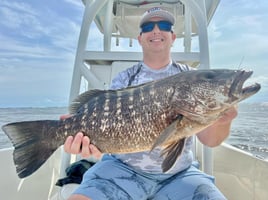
(77, 3)
(236, 34)
(68, 38)
(20, 18)
(31, 35)
(18, 6)
(36, 54)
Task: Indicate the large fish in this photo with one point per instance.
(159, 113)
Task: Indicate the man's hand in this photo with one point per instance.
(80, 144)
(228, 116)
(215, 134)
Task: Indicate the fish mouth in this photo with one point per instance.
(237, 91)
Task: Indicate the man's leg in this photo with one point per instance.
(111, 179)
(190, 184)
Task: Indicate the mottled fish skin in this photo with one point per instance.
(132, 119)
(160, 113)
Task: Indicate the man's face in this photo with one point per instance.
(156, 40)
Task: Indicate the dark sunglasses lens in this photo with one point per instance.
(147, 27)
(162, 25)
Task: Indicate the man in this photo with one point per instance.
(139, 176)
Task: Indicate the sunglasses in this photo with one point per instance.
(162, 25)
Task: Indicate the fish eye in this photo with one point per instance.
(209, 75)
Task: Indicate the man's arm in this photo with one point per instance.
(215, 134)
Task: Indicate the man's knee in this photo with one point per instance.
(205, 192)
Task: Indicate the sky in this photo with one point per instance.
(38, 41)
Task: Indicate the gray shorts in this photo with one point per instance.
(111, 179)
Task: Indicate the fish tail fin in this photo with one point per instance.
(31, 144)
(171, 154)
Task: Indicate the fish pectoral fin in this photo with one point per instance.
(167, 133)
(171, 153)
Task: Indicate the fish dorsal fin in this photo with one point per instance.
(83, 99)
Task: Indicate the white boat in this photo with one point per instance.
(239, 175)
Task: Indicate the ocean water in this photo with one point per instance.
(8, 115)
(249, 130)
